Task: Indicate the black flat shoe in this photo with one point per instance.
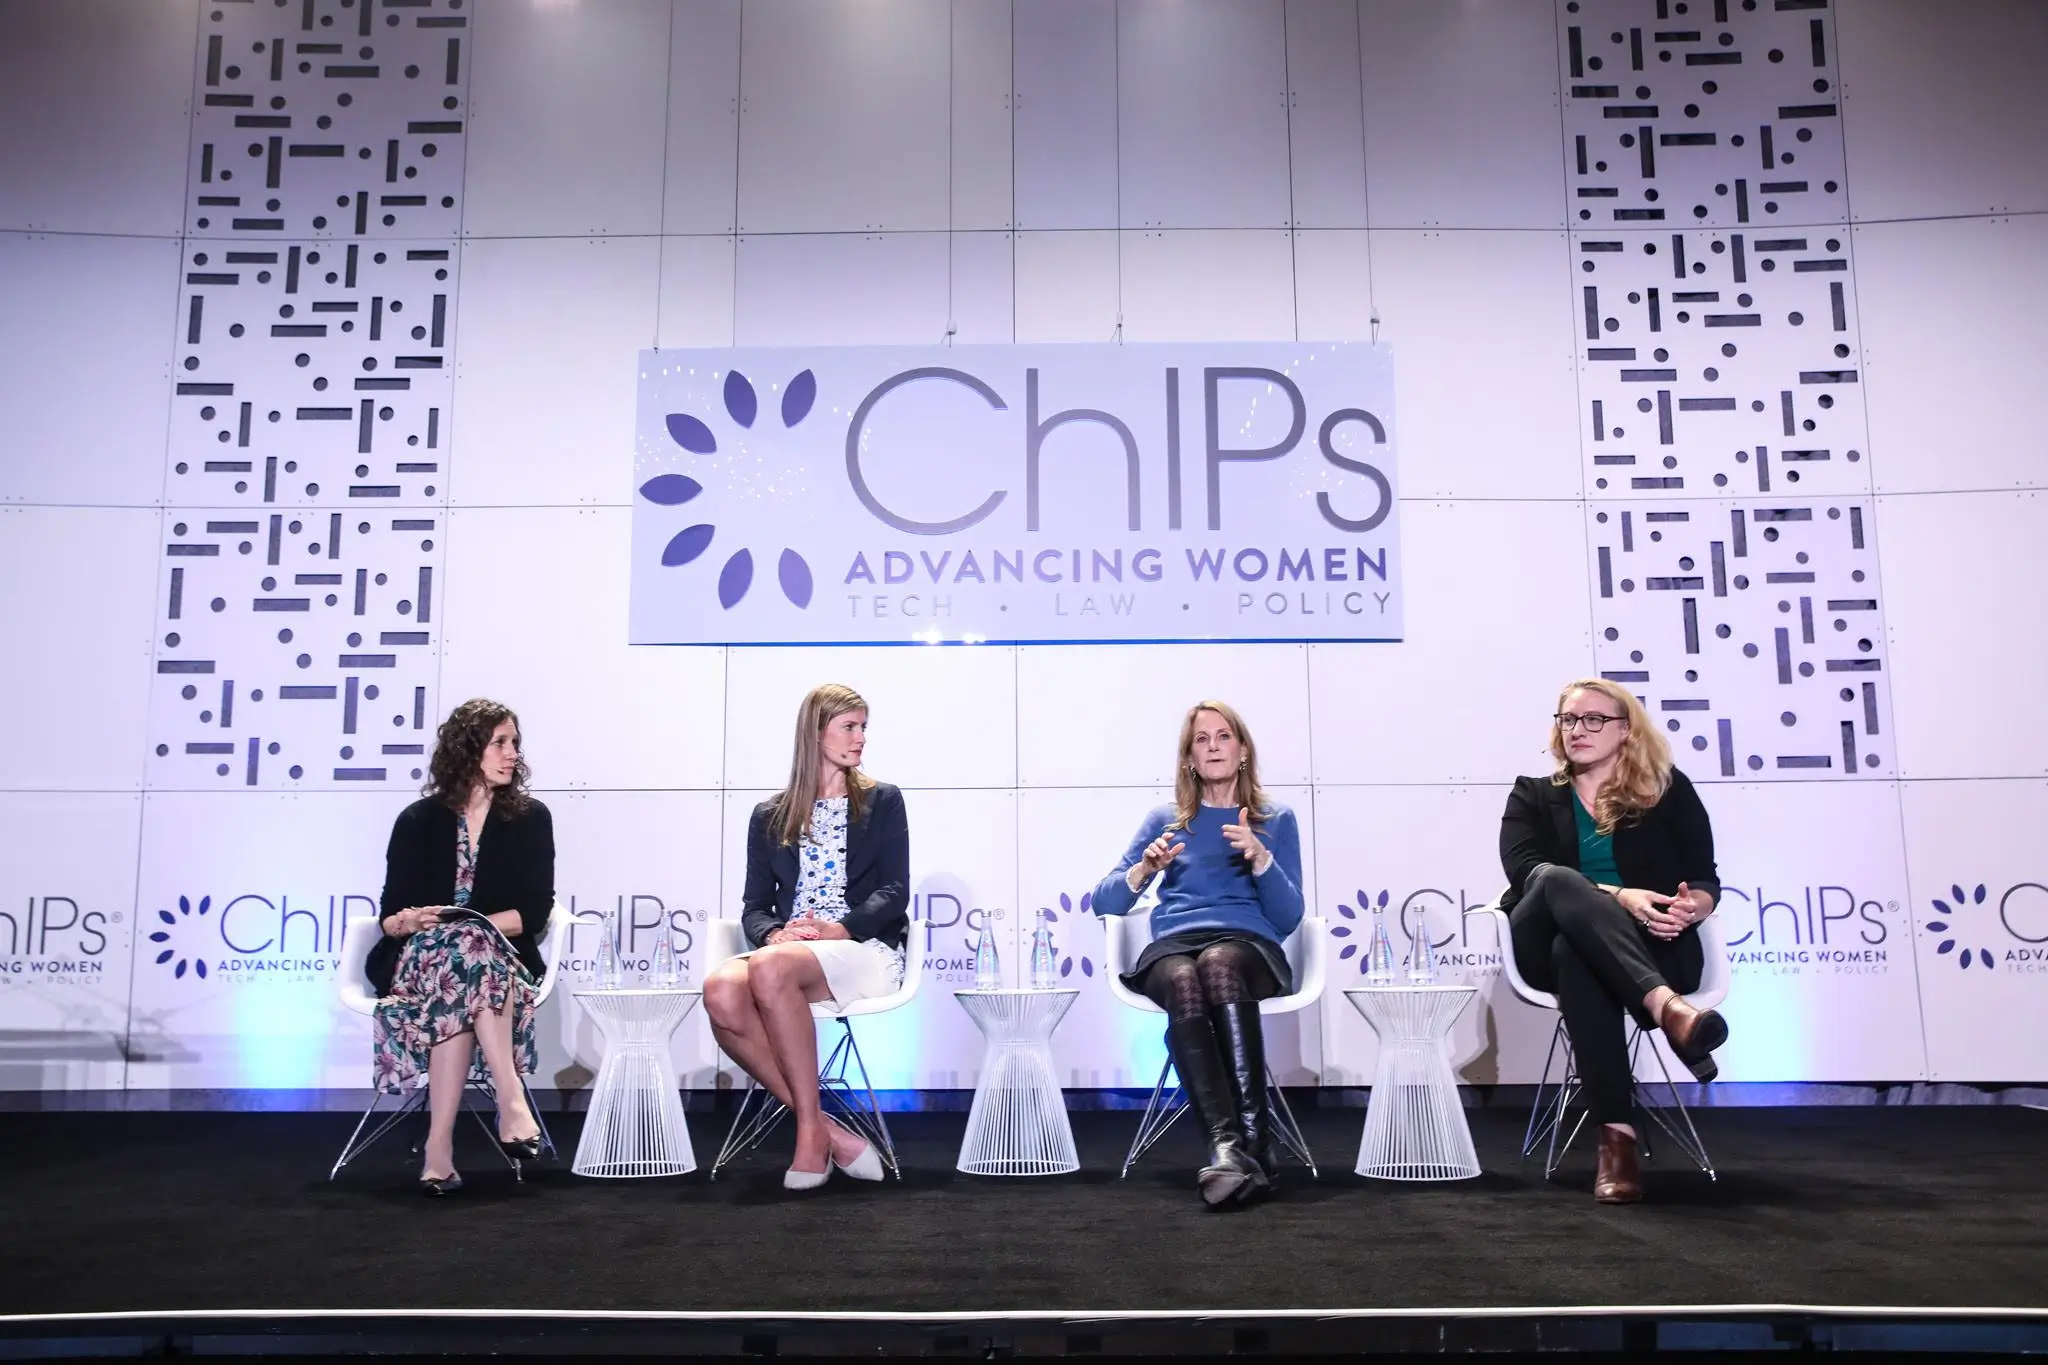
(524, 1149)
(437, 1186)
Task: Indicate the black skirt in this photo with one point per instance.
(1191, 943)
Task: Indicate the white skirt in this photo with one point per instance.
(855, 969)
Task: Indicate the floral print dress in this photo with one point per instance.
(448, 975)
(821, 881)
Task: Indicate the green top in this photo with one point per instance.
(1596, 850)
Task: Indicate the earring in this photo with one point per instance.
(1240, 764)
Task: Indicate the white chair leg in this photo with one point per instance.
(1547, 1118)
(1160, 1113)
(1568, 1089)
(1687, 1141)
(757, 1115)
(850, 1098)
(357, 1144)
(1564, 1106)
(1166, 1107)
(837, 1087)
(1543, 1118)
(483, 1087)
(1286, 1131)
(547, 1139)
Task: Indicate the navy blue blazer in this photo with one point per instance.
(877, 872)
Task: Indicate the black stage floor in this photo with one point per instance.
(1871, 1209)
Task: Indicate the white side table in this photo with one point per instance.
(635, 1126)
(1415, 1126)
(1018, 1125)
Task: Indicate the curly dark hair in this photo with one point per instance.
(459, 758)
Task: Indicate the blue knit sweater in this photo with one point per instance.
(1210, 885)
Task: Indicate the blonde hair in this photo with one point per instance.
(823, 705)
(1187, 786)
(1642, 770)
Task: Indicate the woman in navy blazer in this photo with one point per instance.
(826, 914)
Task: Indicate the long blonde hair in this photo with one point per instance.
(1187, 787)
(823, 705)
(1642, 770)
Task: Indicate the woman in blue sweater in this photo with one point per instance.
(1228, 862)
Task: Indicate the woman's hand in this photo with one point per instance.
(802, 929)
(1158, 854)
(408, 922)
(828, 929)
(1694, 904)
(1652, 911)
(1246, 842)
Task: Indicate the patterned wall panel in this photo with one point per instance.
(1720, 113)
(297, 642)
(1718, 363)
(1719, 359)
(1751, 630)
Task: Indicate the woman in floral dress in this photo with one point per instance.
(469, 883)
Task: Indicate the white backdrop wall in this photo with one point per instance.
(1717, 328)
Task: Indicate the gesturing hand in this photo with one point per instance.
(1159, 853)
(1246, 841)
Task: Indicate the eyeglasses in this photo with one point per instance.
(1594, 724)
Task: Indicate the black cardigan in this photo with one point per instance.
(877, 873)
(515, 870)
(1669, 843)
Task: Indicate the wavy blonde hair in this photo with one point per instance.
(1642, 770)
(1187, 787)
(821, 706)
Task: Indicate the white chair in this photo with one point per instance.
(357, 938)
(1125, 937)
(1547, 1118)
(848, 1097)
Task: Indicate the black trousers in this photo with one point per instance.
(1575, 941)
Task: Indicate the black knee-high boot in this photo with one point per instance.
(1192, 1042)
(1244, 1053)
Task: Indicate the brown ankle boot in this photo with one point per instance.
(1694, 1034)
(1619, 1179)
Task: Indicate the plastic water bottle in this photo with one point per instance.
(668, 969)
(1044, 973)
(1421, 955)
(608, 953)
(988, 969)
(1379, 956)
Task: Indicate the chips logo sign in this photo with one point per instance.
(1016, 494)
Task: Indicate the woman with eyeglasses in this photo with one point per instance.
(1610, 864)
(1228, 863)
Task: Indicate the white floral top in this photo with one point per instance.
(821, 879)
